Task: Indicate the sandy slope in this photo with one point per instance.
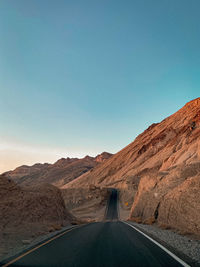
(87, 204)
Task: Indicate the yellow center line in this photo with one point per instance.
(41, 245)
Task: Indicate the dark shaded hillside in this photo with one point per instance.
(28, 212)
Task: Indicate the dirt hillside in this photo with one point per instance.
(29, 212)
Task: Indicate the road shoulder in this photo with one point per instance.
(182, 246)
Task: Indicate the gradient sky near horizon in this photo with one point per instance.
(82, 77)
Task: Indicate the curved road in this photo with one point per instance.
(111, 243)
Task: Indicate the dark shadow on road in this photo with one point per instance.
(111, 213)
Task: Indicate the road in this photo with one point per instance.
(110, 243)
(112, 210)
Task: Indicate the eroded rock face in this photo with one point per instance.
(173, 202)
(180, 207)
(29, 212)
(19, 205)
(170, 194)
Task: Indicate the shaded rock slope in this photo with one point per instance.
(27, 212)
(59, 173)
(159, 173)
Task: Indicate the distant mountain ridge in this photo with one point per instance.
(60, 173)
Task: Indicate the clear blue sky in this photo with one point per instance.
(81, 77)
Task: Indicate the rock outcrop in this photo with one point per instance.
(30, 204)
(29, 211)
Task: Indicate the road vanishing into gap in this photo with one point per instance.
(111, 213)
(111, 243)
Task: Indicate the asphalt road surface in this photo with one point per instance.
(112, 211)
(110, 243)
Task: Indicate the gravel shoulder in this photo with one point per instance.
(185, 247)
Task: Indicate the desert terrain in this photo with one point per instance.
(33, 203)
(157, 176)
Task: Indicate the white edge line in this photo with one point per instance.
(159, 245)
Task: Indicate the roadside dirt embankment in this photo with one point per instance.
(29, 212)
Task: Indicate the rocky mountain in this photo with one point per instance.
(27, 212)
(158, 173)
(60, 173)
